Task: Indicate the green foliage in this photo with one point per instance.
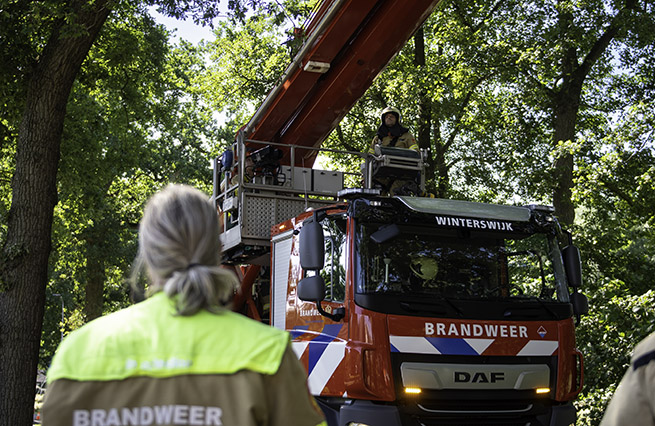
(135, 122)
(247, 60)
(141, 114)
(493, 79)
(615, 192)
(606, 338)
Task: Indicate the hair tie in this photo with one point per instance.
(191, 265)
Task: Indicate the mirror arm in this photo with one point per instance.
(569, 236)
(337, 316)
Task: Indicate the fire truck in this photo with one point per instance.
(405, 310)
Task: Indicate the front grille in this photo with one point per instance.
(470, 412)
(474, 422)
(479, 407)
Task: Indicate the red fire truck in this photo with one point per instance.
(405, 310)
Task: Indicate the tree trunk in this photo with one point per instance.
(441, 175)
(436, 170)
(24, 266)
(95, 279)
(424, 103)
(566, 115)
(566, 103)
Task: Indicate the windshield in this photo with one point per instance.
(436, 264)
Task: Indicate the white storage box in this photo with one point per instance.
(302, 178)
(327, 181)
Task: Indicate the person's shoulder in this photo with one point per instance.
(113, 328)
(84, 345)
(644, 352)
(100, 327)
(234, 326)
(241, 322)
(244, 344)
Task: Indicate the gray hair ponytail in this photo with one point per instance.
(179, 245)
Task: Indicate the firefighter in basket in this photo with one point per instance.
(392, 134)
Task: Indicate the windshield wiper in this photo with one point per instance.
(432, 306)
(517, 310)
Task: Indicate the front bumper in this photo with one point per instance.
(460, 413)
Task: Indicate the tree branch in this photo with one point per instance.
(460, 113)
(488, 15)
(600, 46)
(618, 192)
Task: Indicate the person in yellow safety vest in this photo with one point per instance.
(392, 133)
(180, 357)
(634, 400)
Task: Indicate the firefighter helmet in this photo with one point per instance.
(392, 110)
(424, 267)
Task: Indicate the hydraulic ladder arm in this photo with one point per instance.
(349, 42)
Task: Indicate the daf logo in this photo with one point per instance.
(480, 377)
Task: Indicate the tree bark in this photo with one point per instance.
(24, 266)
(566, 107)
(435, 159)
(424, 104)
(442, 184)
(95, 278)
(566, 103)
(566, 115)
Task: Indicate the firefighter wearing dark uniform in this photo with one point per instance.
(392, 133)
(180, 357)
(634, 400)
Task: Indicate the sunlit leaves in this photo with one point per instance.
(246, 62)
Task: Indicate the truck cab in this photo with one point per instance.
(450, 312)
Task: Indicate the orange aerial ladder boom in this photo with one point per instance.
(348, 43)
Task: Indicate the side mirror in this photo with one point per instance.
(572, 265)
(312, 246)
(311, 289)
(580, 304)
